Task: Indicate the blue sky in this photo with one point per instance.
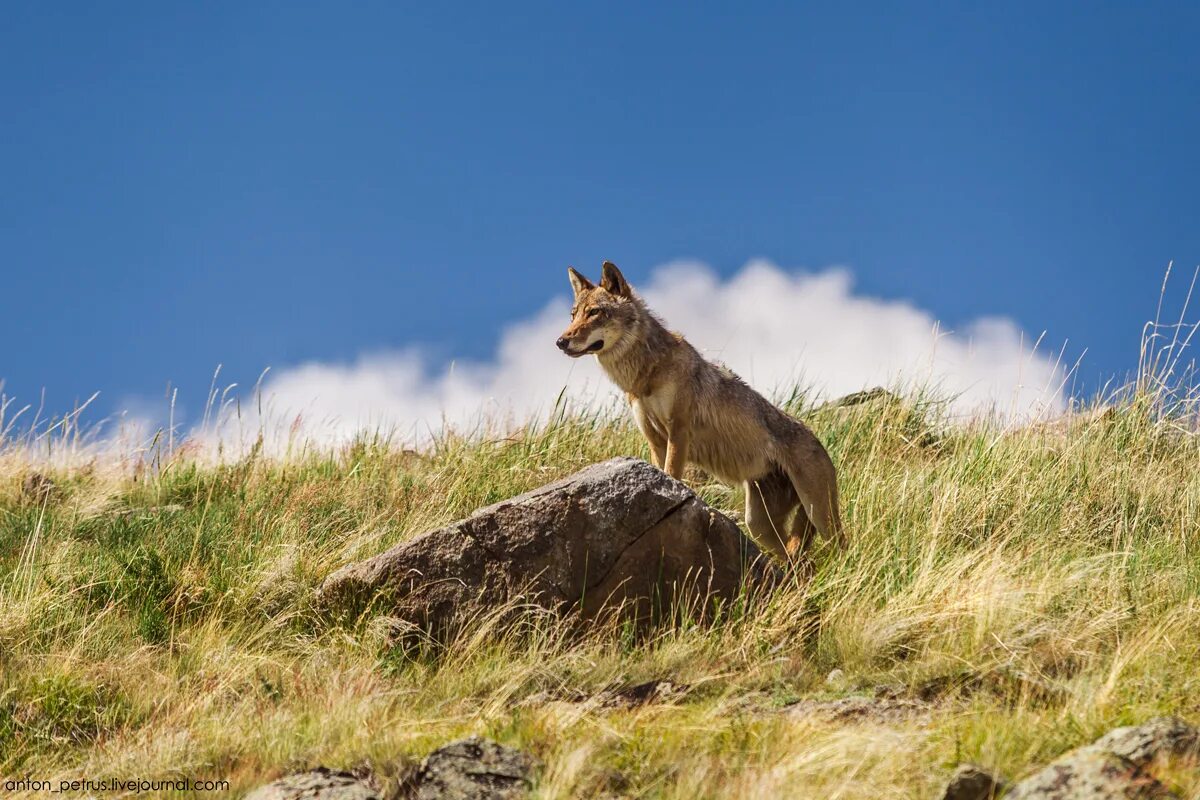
(261, 184)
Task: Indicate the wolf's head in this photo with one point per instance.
(602, 316)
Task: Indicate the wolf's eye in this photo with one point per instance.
(593, 313)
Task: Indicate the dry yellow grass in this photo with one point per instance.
(1035, 587)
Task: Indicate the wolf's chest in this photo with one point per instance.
(658, 407)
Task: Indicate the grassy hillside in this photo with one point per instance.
(1009, 595)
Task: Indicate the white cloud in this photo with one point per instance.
(772, 326)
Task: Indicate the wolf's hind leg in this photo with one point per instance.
(768, 501)
(815, 480)
(800, 534)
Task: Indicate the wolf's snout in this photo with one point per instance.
(563, 342)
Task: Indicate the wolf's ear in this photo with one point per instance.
(579, 283)
(612, 281)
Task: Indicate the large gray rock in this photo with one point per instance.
(473, 769)
(621, 533)
(316, 784)
(1112, 767)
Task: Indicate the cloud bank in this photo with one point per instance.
(772, 326)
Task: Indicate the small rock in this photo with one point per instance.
(1090, 774)
(645, 693)
(889, 691)
(864, 396)
(1113, 766)
(861, 709)
(37, 486)
(970, 782)
(317, 784)
(1141, 743)
(473, 769)
(836, 677)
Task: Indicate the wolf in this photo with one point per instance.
(693, 410)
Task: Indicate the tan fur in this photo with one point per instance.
(691, 410)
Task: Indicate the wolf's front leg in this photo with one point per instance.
(658, 449)
(657, 442)
(677, 451)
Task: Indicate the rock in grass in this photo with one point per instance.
(473, 769)
(1090, 774)
(38, 487)
(970, 782)
(1159, 736)
(1114, 766)
(469, 769)
(860, 397)
(317, 784)
(621, 533)
(873, 710)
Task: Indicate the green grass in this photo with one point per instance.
(1037, 586)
